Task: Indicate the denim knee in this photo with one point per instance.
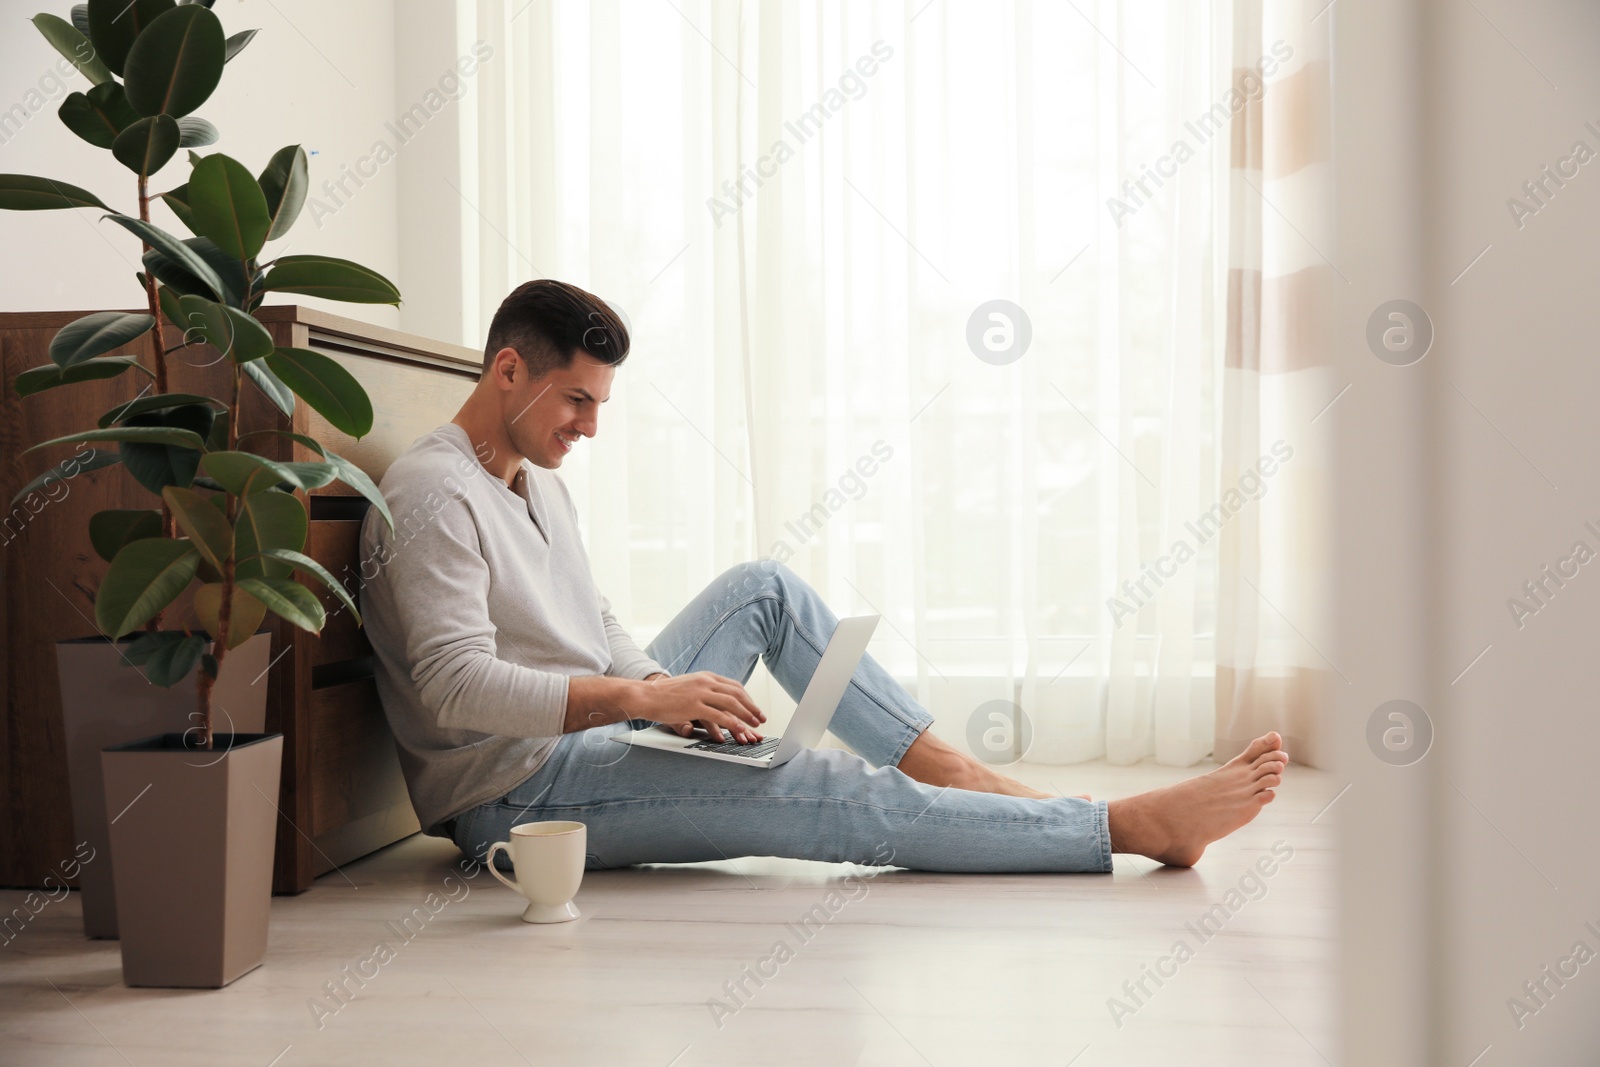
(749, 583)
(757, 576)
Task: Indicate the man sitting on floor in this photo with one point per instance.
(504, 674)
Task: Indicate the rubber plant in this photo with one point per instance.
(225, 516)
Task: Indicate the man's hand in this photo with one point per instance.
(702, 699)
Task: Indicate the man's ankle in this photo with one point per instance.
(932, 761)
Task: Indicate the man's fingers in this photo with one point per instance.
(741, 731)
(723, 706)
(733, 725)
(739, 693)
(733, 689)
(737, 702)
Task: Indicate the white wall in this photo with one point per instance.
(319, 74)
(436, 61)
(1462, 476)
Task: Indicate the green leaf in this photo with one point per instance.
(174, 250)
(148, 435)
(196, 132)
(147, 145)
(146, 576)
(79, 116)
(217, 439)
(310, 442)
(245, 473)
(331, 279)
(24, 192)
(167, 297)
(236, 43)
(156, 466)
(110, 530)
(229, 330)
(71, 43)
(110, 99)
(113, 25)
(153, 402)
(96, 334)
(267, 521)
(288, 599)
(50, 376)
(244, 617)
(178, 200)
(269, 383)
(326, 386)
(284, 183)
(88, 460)
(361, 482)
(228, 269)
(229, 206)
(310, 475)
(346, 472)
(175, 278)
(166, 657)
(207, 527)
(310, 566)
(99, 115)
(176, 62)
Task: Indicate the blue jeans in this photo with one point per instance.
(647, 806)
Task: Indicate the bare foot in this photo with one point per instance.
(933, 762)
(1174, 825)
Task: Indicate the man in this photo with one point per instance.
(504, 674)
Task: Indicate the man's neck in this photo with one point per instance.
(489, 441)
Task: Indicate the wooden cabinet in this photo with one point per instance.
(342, 793)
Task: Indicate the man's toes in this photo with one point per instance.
(1260, 746)
(1264, 767)
(1266, 796)
(1269, 781)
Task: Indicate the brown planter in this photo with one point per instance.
(191, 849)
(105, 702)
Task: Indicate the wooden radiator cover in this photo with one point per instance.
(342, 795)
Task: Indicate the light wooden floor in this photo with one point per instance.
(917, 969)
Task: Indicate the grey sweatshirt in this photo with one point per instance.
(479, 606)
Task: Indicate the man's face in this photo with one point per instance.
(546, 416)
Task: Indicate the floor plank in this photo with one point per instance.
(911, 969)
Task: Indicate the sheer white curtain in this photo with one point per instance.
(801, 209)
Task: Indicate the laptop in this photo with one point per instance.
(811, 716)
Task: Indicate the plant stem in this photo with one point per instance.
(169, 525)
(219, 640)
(150, 296)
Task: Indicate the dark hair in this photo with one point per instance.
(548, 322)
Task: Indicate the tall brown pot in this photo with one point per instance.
(191, 851)
(106, 702)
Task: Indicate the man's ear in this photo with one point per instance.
(506, 368)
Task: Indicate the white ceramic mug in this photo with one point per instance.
(549, 859)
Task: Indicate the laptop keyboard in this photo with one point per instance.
(761, 748)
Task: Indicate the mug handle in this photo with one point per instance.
(489, 862)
